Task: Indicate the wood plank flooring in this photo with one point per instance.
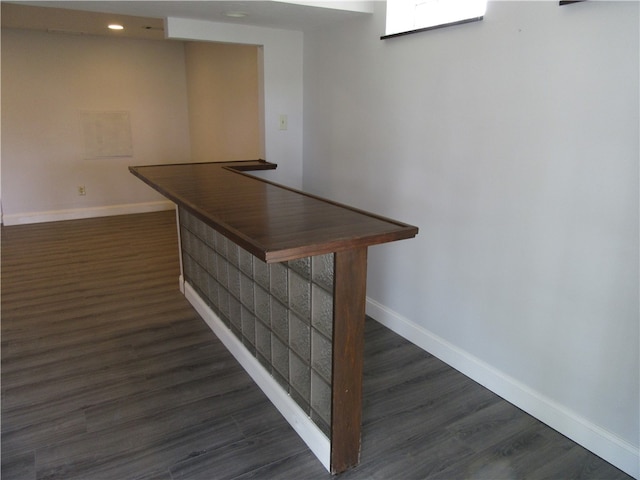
(108, 373)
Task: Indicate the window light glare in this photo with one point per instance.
(408, 15)
(430, 13)
(116, 26)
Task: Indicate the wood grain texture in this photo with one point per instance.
(108, 373)
(349, 295)
(273, 222)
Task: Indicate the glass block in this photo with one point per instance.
(212, 263)
(234, 312)
(284, 382)
(246, 292)
(302, 266)
(265, 362)
(201, 229)
(321, 358)
(248, 325)
(236, 331)
(300, 376)
(299, 399)
(251, 348)
(184, 219)
(282, 313)
(223, 302)
(322, 310)
(221, 244)
(206, 253)
(197, 275)
(321, 397)
(210, 239)
(300, 295)
(263, 340)
(299, 337)
(262, 304)
(193, 242)
(187, 264)
(193, 225)
(196, 248)
(216, 310)
(279, 286)
(234, 281)
(206, 286)
(319, 421)
(280, 320)
(204, 281)
(246, 262)
(223, 268)
(261, 273)
(185, 240)
(225, 320)
(200, 251)
(199, 280)
(183, 235)
(322, 270)
(194, 272)
(193, 246)
(280, 357)
(212, 293)
(232, 254)
(193, 278)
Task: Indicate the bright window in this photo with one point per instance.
(405, 16)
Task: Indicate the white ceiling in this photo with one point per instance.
(145, 18)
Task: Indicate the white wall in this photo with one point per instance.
(47, 79)
(513, 144)
(224, 110)
(282, 83)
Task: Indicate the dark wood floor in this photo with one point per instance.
(108, 373)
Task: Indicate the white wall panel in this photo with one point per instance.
(513, 143)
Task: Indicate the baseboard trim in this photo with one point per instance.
(606, 445)
(81, 213)
(317, 441)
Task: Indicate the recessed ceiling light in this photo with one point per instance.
(235, 14)
(116, 26)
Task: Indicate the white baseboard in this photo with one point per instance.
(606, 445)
(317, 441)
(80, 213)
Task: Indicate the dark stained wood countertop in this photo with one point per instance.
(273, 222)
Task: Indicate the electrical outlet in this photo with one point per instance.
(81, 190)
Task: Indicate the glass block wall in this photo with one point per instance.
(281, 312)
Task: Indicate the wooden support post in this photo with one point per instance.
(350, 274)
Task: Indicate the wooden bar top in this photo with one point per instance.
(273, 222)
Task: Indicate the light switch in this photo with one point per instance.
(283, 122)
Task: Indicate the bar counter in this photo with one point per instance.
(280, 277)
